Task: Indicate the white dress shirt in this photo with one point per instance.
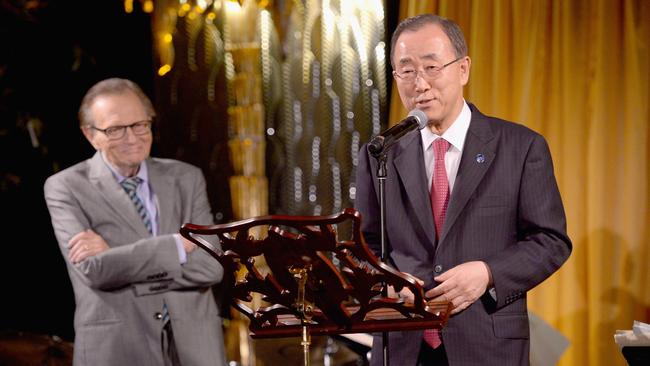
(455, 135)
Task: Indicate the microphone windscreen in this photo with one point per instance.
(420, 116)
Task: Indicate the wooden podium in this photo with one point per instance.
(315, 283)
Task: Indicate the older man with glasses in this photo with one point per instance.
(473, 208)
(143, 293)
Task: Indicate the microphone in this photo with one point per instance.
(383, 141)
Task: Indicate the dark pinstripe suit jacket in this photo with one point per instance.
(505, 211)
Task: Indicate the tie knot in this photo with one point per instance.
(130, 184)
(440, 147)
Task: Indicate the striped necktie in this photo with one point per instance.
(130, 185)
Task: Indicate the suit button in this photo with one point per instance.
(437, 268)
(157, 316)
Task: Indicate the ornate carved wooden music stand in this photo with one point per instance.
(308, 294)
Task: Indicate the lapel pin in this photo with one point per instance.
(480, 158)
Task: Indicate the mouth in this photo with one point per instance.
(132, 149)
(423, 102)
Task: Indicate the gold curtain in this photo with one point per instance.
(578, 72)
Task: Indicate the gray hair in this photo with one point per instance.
(451, 29)
(111, 86)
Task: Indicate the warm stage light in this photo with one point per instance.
(164, 69)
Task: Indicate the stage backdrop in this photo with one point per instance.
(579, 73)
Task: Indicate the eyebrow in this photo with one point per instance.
(409, 60)
(120, 122)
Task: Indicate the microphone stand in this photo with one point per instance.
(381, 176)
(377, 147)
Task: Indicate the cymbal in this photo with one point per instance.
(289, 351)
(23, 349)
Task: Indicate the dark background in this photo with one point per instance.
(51, 52)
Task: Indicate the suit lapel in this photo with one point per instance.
(113, 194)
(480, 142)
(409, 165)
(163, 187)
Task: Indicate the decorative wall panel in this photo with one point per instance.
(333, 100)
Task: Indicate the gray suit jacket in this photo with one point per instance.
(505, 209)
(120, 292)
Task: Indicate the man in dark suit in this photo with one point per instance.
(473, 208)
(143, 293)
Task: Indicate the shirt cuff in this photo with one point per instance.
(182, 256)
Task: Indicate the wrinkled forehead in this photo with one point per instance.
(117, 109)
(426, 44)
(409, 60)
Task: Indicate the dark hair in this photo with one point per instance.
(451, 29)
(108, 87)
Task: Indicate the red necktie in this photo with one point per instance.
(439, 200)
(439, 185)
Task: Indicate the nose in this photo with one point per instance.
(129, 135)
(421, 84)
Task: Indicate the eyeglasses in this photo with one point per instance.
(117, 132)
(430, 71)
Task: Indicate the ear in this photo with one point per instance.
(90, 136)
(465, 66)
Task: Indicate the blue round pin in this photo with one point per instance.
(480, 158)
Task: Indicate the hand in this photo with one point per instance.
(405, 293)
(461, 285)
(188, 245)
(85, 244)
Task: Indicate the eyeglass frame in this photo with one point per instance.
(147, 123)
(437, 70)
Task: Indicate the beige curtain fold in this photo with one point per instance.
(578, 72)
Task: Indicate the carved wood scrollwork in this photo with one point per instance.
(335, 299)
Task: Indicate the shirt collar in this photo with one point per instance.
(143, 172)
(455, 134)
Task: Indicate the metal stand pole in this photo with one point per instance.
(306, 342)
(304, 308)
(381, 176)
